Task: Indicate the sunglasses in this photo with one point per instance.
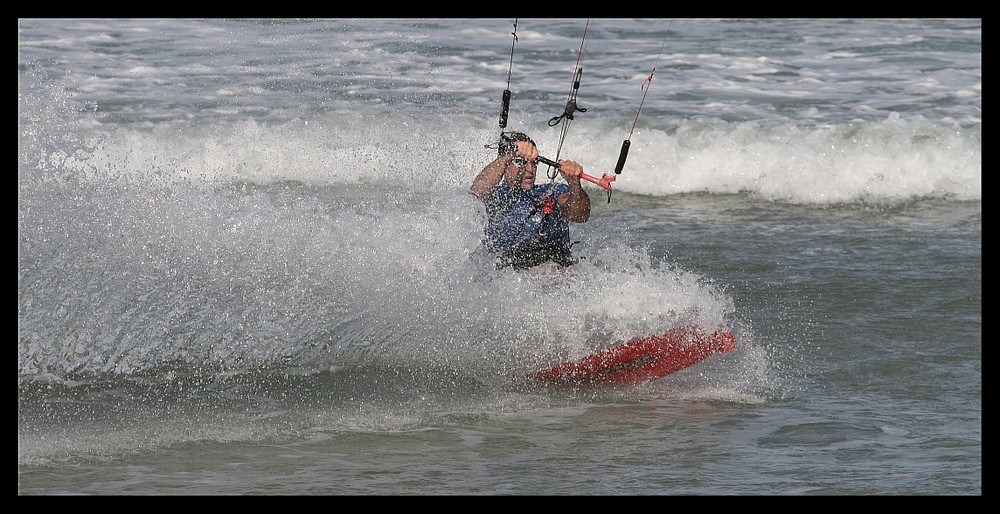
(521, 162)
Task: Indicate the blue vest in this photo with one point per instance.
(515, 218)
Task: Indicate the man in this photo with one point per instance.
(528, 224)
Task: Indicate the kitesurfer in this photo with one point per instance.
(528, 224)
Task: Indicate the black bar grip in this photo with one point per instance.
(506, 107)
(550, 162)
(622, 156)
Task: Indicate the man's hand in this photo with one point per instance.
(570, 170)
(526, 150)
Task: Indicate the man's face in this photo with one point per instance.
(521, 172)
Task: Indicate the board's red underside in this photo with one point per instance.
(643, 359)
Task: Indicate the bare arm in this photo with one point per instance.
(489, 177)
(575, 205)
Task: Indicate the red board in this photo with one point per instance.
(640, 360)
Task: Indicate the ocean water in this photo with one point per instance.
(246, 257)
